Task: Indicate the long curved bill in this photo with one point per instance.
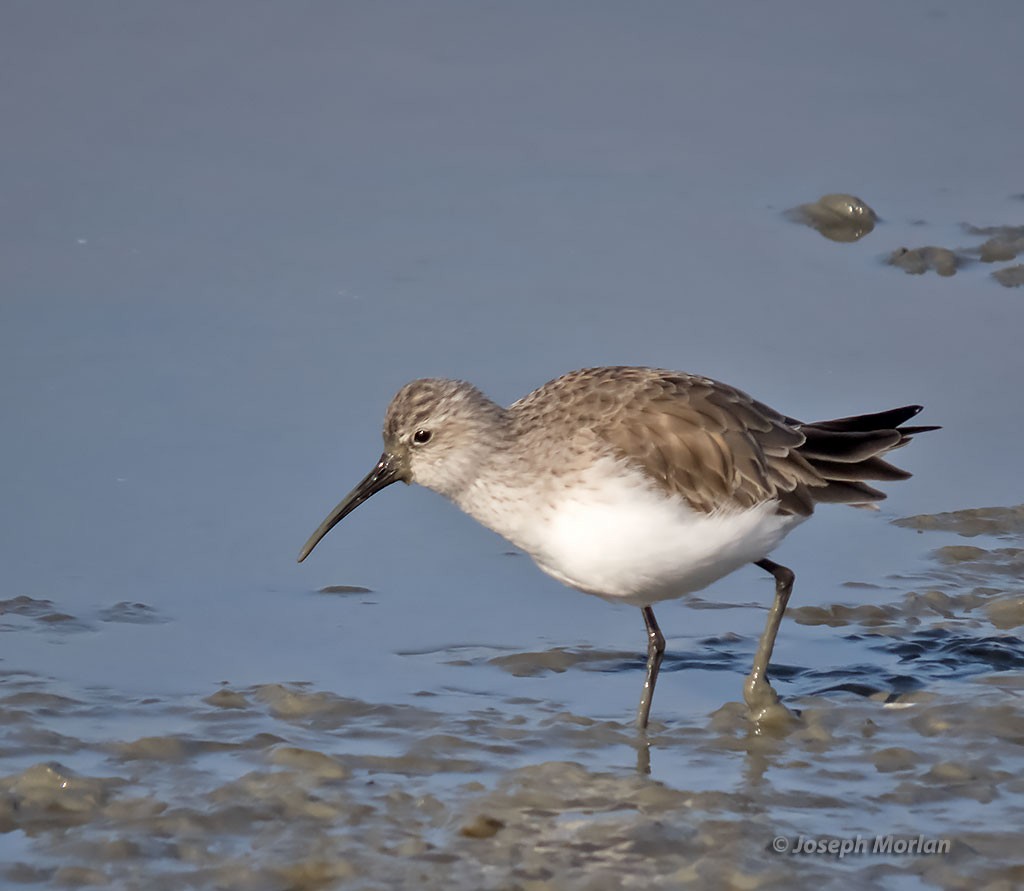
(384, 474)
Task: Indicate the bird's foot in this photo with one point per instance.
(766, 709)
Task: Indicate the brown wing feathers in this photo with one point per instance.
(719, 448)
(711, 444)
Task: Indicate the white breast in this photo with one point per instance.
(615, 535)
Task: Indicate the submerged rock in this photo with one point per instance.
(837, 216)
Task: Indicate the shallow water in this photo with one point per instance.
(915, 731)
(229, 236)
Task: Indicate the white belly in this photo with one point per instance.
(620, 538)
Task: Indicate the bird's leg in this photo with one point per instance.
(655, 650)
(760, 697)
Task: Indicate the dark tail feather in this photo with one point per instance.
(871, 469)
(909, 432)
(847, 493)
(847, 451)
(846, 447)
(880, 420)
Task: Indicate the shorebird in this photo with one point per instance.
(635, 484)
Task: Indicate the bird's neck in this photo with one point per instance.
(509, 489)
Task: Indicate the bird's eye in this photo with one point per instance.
(421, 436)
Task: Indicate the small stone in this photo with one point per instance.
(482, 827)
(227, 699)
(837, 216)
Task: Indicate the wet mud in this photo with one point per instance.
(1001, 244)
(1010, 276)
(914, 732)
(842, 217)
(918, 261)
(1003, 522)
